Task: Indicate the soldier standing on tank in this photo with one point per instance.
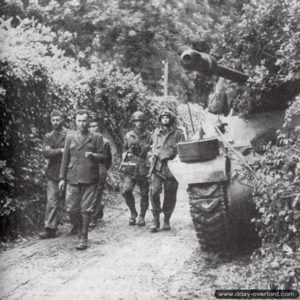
(136, 167)
(103, 172)
(53, 148)
(165, 138)
(83, 152)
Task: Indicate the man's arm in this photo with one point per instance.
(65, 159)
(48, 151)
(108, 154)
(147, 148)
(170, 151)
(99, 156)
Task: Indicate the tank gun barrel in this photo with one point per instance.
(204, 63)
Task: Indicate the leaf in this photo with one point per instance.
(288, 250)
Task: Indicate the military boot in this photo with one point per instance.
(141, 221)
(166, 225)
(133, 216)
(155, 222)
(82, 243)
(83, 236)
(47, 233)
(93, 222)
(75, 220)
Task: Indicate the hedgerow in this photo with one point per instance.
(37, 76)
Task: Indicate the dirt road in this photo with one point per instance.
(122, 262)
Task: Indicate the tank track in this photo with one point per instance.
(209, 208)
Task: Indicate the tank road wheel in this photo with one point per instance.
(222, 213)
(209, 210)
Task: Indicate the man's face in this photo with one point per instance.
(33, 130)
(139, 124)
(56, 122)
(165, 120)
(82, 122)
(93, 127)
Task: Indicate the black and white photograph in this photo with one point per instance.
(149, 149)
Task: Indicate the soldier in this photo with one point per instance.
(83, 152)
(165, 138)
(137, 146)
(53, 148)
(103, 168)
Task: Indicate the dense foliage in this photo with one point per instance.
(277, 197)
(138, 35)
(37, 76)
(264, 43)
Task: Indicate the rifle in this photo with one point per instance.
(152, 169)
(124, 163)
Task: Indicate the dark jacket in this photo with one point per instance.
(165, 147)
(107, 149)
(106, 164)
(53, 143)
(75, 167)
(138, 145)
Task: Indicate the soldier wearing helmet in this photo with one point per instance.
(135, 167)
(165, 139)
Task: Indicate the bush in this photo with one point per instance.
(37, 76)
(277, 197)
(263, 43)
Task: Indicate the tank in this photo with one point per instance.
(221, 207)
(204, 63)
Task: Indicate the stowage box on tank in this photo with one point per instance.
(203, 150)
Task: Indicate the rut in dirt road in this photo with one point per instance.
(122, 262)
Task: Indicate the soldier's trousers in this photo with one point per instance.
(52, 207)
(170, 186)
(99, 204)
(128, 186)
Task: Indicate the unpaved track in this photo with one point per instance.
(122, 262)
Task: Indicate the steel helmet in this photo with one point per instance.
(168, 113)
(138, 116)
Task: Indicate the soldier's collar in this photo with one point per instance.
(141, 134)
(62, 131)
(164, 131)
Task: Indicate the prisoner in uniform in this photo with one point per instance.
(53, 148)
(79, 172)
(103, 172)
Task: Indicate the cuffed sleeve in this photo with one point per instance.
(65, 160)
(50, 152)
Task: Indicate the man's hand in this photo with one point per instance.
(61, 185)
(48, 147)
(62, 150)
(135, 149)
(88, 154)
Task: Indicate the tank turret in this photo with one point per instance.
(204, 63)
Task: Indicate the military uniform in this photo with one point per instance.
(53, 143)
(164, 149)
(137, 146)
(103, 171)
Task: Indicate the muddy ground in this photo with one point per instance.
(122, 262)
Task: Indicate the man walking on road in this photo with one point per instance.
(83, 152)
(165, 138)
(103, 171)
(136, 167)
(53, 149)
